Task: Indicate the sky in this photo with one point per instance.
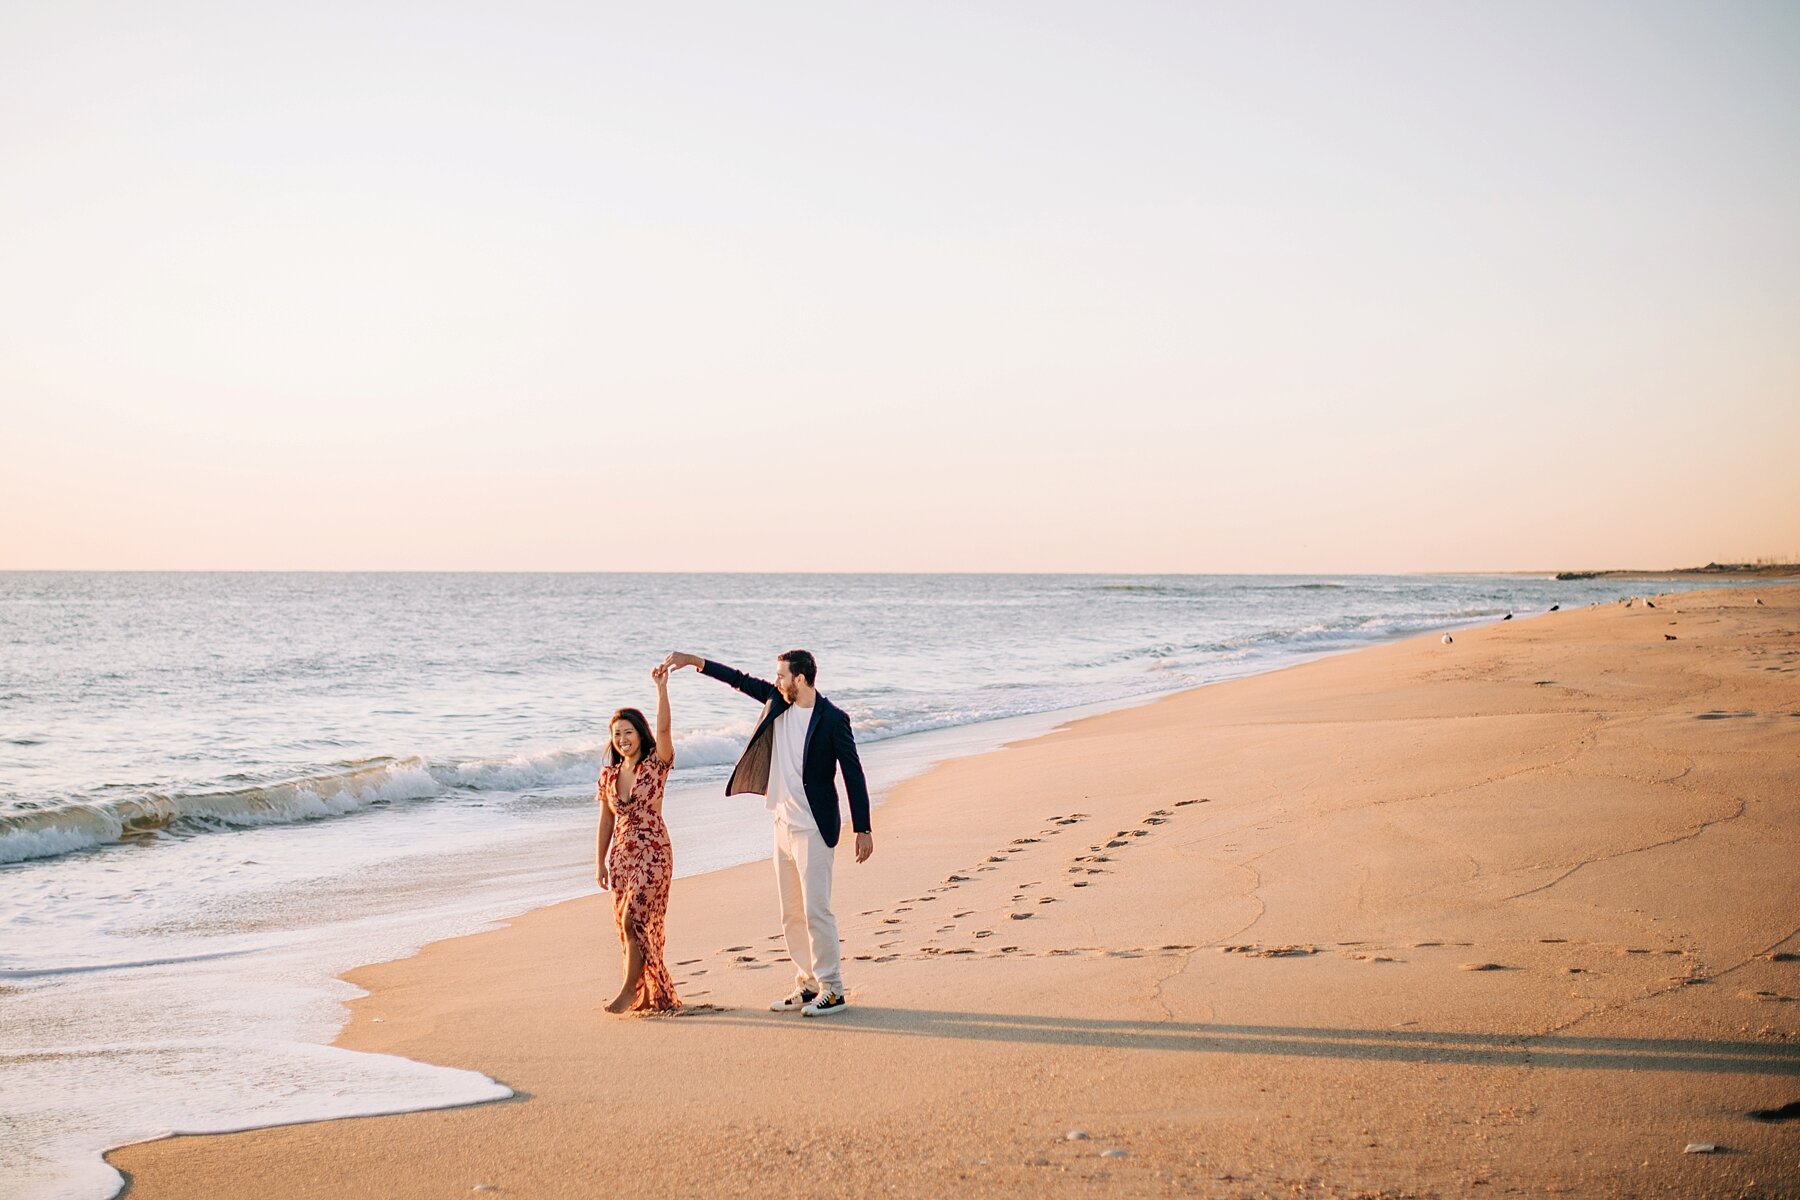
(1160, 287)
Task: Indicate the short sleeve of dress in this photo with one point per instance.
(656, 762)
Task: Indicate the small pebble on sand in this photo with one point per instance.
(1075, 1135)
(1701, 1148)
(1113, 1153)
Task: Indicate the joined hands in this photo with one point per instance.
(678, 660)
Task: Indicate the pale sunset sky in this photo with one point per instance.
(1187, 286)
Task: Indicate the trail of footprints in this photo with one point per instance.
(893, 924)
(895, 928)
(896, 936)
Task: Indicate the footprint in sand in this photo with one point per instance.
(890, 920)
(900, 910)
(1046, 899)
(1024, 916)
(1081, 883)
(959, 916)
(1481, 966)
(981, 933)
(745, 958)
(1116, 843)
(688, 962)
(957, 879)
(1202, 800)
(733, 949)
(1023, 841)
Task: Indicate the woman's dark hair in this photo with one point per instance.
(801, 663)
(635, 719)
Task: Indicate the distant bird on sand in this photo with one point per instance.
(1554, 607)
(1669, 637)
(1759, 599)
(1649, 604)
(1448, 639)
(1507, 617)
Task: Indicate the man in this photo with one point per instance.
(793, 758)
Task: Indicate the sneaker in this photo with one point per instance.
(830, 1002)
(800, 998)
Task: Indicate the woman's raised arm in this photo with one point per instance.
(665, 736)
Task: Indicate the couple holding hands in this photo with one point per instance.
(800, 742)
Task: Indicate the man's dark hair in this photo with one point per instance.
(646, 743)
(801, 663)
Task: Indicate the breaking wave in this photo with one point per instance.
(31, 830)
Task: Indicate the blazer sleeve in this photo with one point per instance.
(757, 689)
(854, 782)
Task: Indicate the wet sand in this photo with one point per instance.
(1511, 916)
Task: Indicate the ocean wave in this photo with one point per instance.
(33, 830)
(555, 768)
(45, 832)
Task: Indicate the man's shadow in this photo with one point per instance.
(1374, 1045)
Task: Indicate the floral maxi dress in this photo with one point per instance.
(640, 864)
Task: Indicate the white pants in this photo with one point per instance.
(803, 875)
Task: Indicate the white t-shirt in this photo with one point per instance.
(786, 797)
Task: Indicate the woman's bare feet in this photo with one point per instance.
(634, 971)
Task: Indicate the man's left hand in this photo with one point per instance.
(865, 846)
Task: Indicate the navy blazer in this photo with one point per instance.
(829, 745)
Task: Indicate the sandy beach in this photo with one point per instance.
(1510, 916)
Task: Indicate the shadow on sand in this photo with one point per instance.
(1374, 1045)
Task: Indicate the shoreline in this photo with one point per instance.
(420, 1022)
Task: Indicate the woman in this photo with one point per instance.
(634, 859)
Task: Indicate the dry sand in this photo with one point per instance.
(1233, 935)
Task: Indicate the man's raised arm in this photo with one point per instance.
(757, 689)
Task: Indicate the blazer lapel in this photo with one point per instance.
(812, 723)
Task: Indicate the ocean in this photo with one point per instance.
(219, 791)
